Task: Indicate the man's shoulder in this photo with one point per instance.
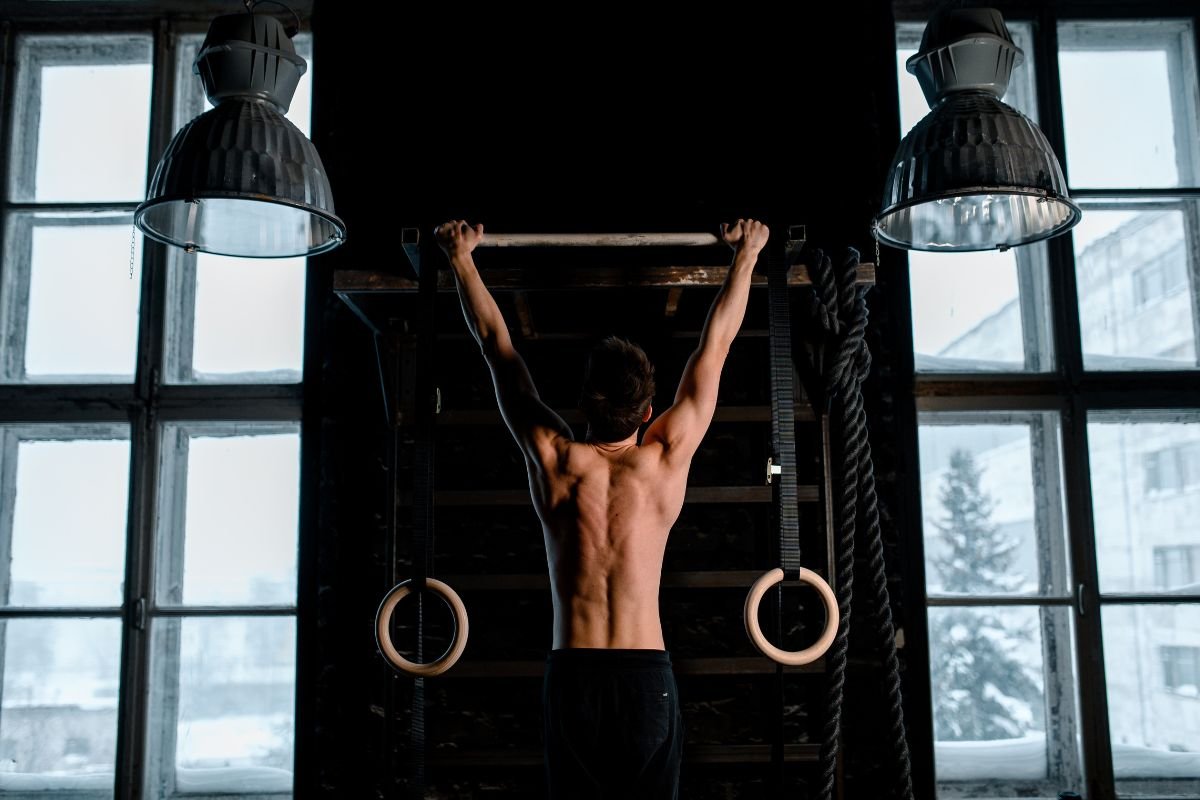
(577, 458)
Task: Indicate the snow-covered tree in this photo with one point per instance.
(981, 688)
(977, 557)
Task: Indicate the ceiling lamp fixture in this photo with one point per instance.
(974, 174)
(241, 179)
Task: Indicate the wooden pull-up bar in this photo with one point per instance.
(599, 240)
(412, 236)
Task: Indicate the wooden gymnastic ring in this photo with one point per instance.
(791, 657)
(458, 638)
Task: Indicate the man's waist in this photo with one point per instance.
(610, 656)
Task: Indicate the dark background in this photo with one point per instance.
(585, 118)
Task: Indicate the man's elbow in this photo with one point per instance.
(497, 349)
(487, 345)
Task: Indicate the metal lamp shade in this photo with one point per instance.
(975, 174)
(242, 180)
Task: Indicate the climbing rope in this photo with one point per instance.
(842, 360)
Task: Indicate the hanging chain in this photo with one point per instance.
(132, 242)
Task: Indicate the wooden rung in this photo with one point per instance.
(561, 278)
(696, 494)
(736, 665)
(573, 336)
(695, 579)
(573, 416)
(692, 754)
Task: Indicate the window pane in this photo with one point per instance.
(1151, 654)
(239, 519)
(82, 110)
(989, 695)
(68, 306)
(249, 317)
(1147, 70)
(1146, 500)
(227, 723)
(68, 516)
(991, 504)
(235, 319)
(980, 311)
(58, 721)
(1135, 266)
(976, 311)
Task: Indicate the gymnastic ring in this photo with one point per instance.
(458, 638)
(793, 658)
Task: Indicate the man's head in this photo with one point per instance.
(618, 387)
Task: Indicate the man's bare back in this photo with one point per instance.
(607, 507)
(613, 721)
(606, 513)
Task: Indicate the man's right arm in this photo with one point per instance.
(682, 426)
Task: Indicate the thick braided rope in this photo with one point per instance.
(827, 310)
(885, 632)
(881, 609)
(857, 501)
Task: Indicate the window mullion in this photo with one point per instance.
(154, 254)
(1062, 724)
(1183, 78)
(1191, 237)
(8, 491)
(135, 656)
(16, 245)
(1031, 293)
(166, 641)
(1093, 722)
(181, 320)
(7, 78)
(23, 108)
(135, 644)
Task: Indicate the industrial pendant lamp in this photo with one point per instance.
(241, 179)
(974, 174)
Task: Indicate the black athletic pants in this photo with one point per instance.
(612, 724)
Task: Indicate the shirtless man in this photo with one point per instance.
(607, 504)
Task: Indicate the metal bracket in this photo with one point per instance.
(410, 241)
(773, 468)
(797, 235)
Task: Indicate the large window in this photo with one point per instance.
(1059, 438)
(149, 447)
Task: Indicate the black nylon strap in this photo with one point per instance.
(783, 415)
(423, 517)
(783, 448)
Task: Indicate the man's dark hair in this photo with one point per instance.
(618, 386)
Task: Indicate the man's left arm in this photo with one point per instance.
(533, 424)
